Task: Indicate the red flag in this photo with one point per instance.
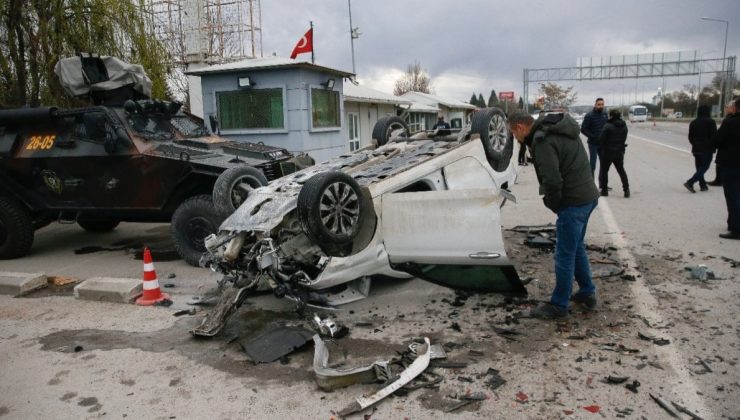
(304, 45)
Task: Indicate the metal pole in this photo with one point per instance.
(313, 48)
(351, 36)
(701, 66)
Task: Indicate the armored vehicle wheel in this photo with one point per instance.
(16, 229)
(97, 225)
(331, 209)
(233, 187)
(490, 124)
(385, 127)
(193, 220)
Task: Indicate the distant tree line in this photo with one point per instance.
(35, 34)
(493, 101)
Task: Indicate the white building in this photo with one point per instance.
(363, 107)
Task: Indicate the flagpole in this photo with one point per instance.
(313, 45)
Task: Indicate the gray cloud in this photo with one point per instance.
(492, 41)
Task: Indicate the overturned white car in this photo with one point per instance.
(425, 206)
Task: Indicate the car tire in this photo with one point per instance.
(332, 210)
(193, 220)
(385, 126)
(233, 186)
(16, 229)
(498, 143)
(97, 225)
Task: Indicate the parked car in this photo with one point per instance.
(425, 206)
(126, 159)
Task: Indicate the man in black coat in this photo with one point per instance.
(591, 127)
(612, 145)
(728, 162)
(701, 133)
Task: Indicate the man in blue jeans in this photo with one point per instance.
(591, 127)
(566, 181)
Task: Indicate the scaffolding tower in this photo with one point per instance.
(206, 31)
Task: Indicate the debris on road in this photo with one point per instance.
(61, 280)
(467, 399)
(185, 312)
(329, 328)
(655, 340)
(521, 397)
(616, 379)
(633, 386)
(664, 405)
(276, 343)
(592, 408)
(701, 272)
(686, 411)
(495, 380)
(423, 357)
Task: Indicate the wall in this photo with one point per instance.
(369, 114)
(297, 134)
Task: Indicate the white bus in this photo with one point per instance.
(638, 113)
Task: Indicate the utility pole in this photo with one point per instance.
(353, 34)
(722, 82)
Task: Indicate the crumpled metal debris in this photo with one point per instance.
(701, 272)
(329, 328)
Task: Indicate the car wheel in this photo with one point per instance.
(331, 209)
(386, 126)
(97, 225)
(193, 220)
(498, 143)
(233, 187)
(16, 229)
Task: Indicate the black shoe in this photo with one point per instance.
(729, 235)
(715, 183)
(588, 301)
(689, 187)
(627, 193)
(604, 192)
(546, 310)
(704, 188)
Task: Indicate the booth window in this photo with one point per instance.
(251, 109)
(325, 108)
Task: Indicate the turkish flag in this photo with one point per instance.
(304, 45)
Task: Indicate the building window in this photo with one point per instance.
(353, 127)
(419, 121)
(325, 108)
(252, 109)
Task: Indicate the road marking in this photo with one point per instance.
(661, 144)
(646, 305)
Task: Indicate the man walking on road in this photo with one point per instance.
(701, 133)
(612, 145)
(563, 174)
(591, 127)
(728, 162)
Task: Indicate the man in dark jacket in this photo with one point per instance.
(591, 127)
(612, 144)
(562, 169)
(728, 161)
(701, 133)
(729, 110)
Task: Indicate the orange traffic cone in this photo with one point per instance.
(151, 294)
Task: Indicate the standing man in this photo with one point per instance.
(591, 127)
(442, 125)
(612, 145)
(728, 162)
(701, 133)
(729, 110)
(563, 174)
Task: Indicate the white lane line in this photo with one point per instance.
(661, 144)
(646, 306)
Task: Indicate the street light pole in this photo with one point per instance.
(353, 34)
(724, 53)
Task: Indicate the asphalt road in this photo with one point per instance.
(139, 362)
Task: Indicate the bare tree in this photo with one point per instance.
(557, 96)
(415, 79)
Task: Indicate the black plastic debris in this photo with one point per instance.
(616, 379)
(78, 349)
(455, 326)
(655, 340)
(185, 312)
(686, 411)
(276, 343)
(494, 379)
(537, 241)
(164, 302)
(633, 386)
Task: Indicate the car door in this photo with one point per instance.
(449, 237)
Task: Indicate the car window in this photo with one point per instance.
(467, 173)
(480, 278)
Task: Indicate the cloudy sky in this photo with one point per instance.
(475, 45)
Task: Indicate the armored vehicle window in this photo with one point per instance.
(151, 127)
(254, 108)
(325, 108)
(188, 127)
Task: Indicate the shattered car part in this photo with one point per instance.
(423, 356)
(329, 328)
(330, 379)
(215, 319)
(411, 207)
(276, 343)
